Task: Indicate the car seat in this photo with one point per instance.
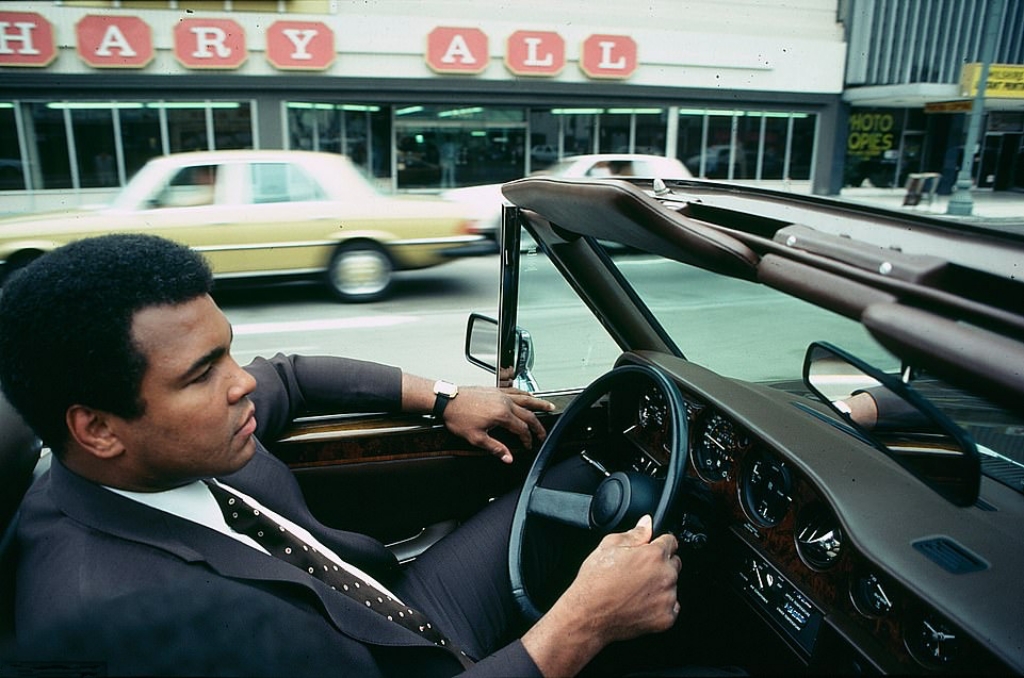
(20, 451)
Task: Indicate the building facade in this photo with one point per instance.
(423, 95)
(911, 75)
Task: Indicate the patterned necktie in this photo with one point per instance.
(281, 543)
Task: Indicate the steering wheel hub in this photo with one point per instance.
(620, 500)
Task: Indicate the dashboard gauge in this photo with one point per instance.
(716, 447)
(652, 431)
(765, 488)
(869, 595)
(652, 412)
(932, 641)
(819, 540)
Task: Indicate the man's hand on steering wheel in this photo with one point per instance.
(629, 582)
(625, 588)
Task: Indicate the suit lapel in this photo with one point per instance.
(111, 513)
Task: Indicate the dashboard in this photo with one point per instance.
(788, 555)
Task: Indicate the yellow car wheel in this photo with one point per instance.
(360, 272)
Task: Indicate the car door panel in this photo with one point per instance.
(394, 477)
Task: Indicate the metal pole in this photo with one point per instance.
(961, 203)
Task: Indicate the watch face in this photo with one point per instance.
(446, 388)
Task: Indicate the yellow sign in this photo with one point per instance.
(871, 134)
(1005, 81)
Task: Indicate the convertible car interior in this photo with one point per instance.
(707, 347)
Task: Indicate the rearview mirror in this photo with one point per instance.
(898, 421)
(482, 351)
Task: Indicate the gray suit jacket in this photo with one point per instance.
(103, 578)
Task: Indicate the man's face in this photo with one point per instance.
(198, 420)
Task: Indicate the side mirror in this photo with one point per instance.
(898, 420)
(482, 342)
(482, 351)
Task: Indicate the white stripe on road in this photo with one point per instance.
(322, 325)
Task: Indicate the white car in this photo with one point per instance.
(487, 198)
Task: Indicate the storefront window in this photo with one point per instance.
(102, 144)
(413, 147)
(746, 145)
(718, 160)
(360, 131)
(545, 139)
(12, 170)
(186, 127)
(578, 129)
(314, 127)
(872, 147)
(207, 125)
(355, 132)
(649, 130)
(140, 137)
(95, 152)
(48, 155)
(614, 132)
(633, 130)
(232, 126)
(801, 146)
(448, 146)
(690, 138)
(772, 160)
(559, 132)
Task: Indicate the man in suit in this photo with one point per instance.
(115, 353)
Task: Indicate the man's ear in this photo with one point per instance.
(91, 430)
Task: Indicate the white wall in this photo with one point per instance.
(794, 46)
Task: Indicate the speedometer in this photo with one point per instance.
(716, 447)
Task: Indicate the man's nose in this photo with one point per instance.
(244, 384)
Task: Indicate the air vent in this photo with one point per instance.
(950, 556)
(1006, 471)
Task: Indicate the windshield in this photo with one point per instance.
(736, 328)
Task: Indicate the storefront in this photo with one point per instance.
(884, 146)
(888, 141)
(87, 96)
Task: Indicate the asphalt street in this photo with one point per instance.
(420, 327)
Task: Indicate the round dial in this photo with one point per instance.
(653, 430)
(765, 488)
(869, 595)
(716, 446)
(651, 410)
(819, 540)
(932, 641)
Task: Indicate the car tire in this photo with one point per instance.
(360, 272)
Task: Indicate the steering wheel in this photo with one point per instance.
(620, 499)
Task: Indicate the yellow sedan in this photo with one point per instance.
(265, 213)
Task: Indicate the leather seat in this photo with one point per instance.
(19, 454)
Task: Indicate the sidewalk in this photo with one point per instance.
(996, 208)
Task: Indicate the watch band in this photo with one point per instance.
(444, 392)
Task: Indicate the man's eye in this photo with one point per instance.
(204, 376)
